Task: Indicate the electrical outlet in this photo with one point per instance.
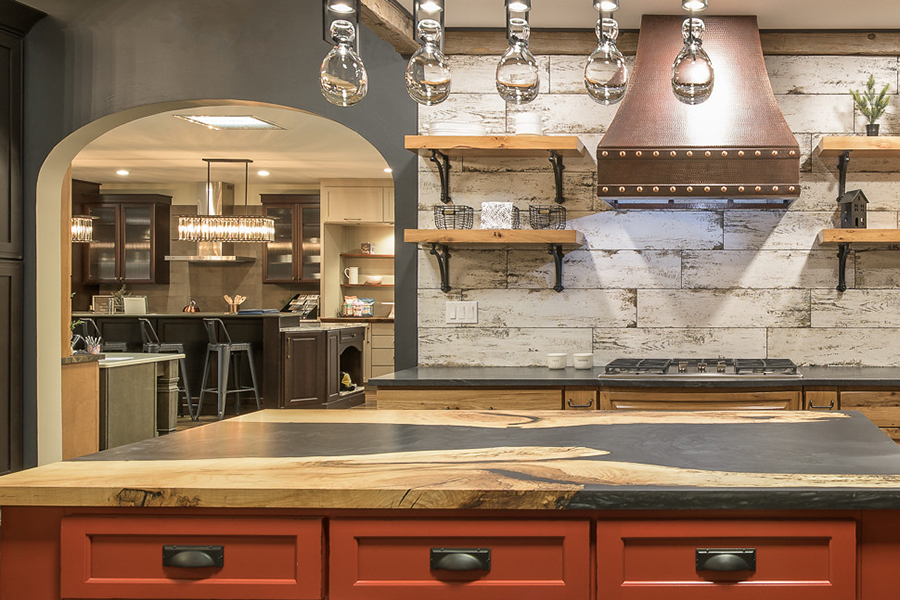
(461, 312)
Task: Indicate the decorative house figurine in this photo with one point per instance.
(853, 209)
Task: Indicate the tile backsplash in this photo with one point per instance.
(747, 283)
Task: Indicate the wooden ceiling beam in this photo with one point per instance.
(582, 43)
(391, 23)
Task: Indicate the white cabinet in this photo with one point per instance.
(357, 201)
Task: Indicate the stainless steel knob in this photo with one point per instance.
(701, 367)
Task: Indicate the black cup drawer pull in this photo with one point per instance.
(193, 557)
(726, 559)
(461, 559)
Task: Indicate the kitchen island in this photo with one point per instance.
(371, 505)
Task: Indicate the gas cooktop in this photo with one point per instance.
(701, 367)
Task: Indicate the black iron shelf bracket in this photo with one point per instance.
(443, 163)
(557, 161)
(555, 250)
(442, 253)
(843, 249)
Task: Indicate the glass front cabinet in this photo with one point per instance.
(131, 238)
(296, 254)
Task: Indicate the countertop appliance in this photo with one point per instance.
(701, 367)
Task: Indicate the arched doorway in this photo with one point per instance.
(52, 328)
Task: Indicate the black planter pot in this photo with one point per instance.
(872, 128)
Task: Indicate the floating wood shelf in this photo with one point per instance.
(515, 146)
(441, 147)
(441, 239)
(884, 146)
(368, 285)
(350, 255)
(835, 237)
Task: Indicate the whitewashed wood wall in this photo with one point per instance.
(747, 283)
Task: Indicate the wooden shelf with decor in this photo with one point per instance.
(442, 239)
(842, 238)
(878, 146)
(439, 149)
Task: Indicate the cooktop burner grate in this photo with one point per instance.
(639, 365)
(764, 365)
(701, 366)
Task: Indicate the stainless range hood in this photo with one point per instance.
(219, 201)
(733, 150)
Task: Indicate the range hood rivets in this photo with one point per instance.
(774, 152)
(724, 189)
(724, 153)
(690, 153)
(673, 189)
(706, 189)
(791, 189)
(640, 189)
(708, 154)
(656, 153)
(757, 189)
(741, 188)
(604, 153)
(673, 153)
(792, 153)
(621, 190)
(758, 153)
(655, 188)
(638, 153)
(690, 188)
(605, 190)
(774, 188)
(740, 152)
(622, 153)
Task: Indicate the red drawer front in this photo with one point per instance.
(795, 560)
(390, 560)
(121, 557)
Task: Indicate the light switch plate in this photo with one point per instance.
(461, 312)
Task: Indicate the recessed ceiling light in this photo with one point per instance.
(122, 172)
(388, 170)
(220, 122)
(262, 173)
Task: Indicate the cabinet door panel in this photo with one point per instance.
(10, 146)
(101, 253)
(137, 243)
(304, 372)
(280, 252)
(11, 275)
(357, 204)
(311, 245)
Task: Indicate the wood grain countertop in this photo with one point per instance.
(372, 459)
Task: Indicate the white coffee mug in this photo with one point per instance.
(352, 275)
(557, 360)
(583, 360)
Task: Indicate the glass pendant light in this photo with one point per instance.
(428, 73)
(606, 74)
(693, 76)
(518, 79)
(342, 76)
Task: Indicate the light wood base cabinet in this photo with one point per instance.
(882, 407)
(687, 399)
(470, 399)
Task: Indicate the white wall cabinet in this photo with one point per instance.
(357, 201)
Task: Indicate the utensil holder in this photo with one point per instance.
(456, 216)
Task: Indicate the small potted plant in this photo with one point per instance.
(871, 104)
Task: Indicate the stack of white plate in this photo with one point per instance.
(457, 127)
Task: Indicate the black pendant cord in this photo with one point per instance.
(557, 161)
(443, 163)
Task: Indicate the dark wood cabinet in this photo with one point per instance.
(10, 146)
(11, 289)
(131, 238)
(312, 366)
(296, 254)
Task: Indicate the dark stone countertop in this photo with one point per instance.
(484, 460)
(80, 358)
(436, 377)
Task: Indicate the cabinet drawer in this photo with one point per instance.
(667, 399)
(470, 399)
(379, 370)
(881, 406)
(383, 329)
(381, 356)
(795, 560)
(383, 341)
(352, 335)
(122, 557)
(392, 560)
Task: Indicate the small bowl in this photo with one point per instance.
(374, 279)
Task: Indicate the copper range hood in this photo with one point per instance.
(733, 151)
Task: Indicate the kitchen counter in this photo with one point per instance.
(483, 460)
(438, 377)
(127, 359)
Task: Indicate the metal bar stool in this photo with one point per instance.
(227, 355)
(152, 344)
(89, 328)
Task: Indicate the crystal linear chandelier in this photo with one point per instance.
(218, 228)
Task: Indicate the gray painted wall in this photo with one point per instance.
(92, 58)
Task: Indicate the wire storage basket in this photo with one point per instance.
(453, 216)
(547, 216)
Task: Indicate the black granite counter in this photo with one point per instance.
(544, 377)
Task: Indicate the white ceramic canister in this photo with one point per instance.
(583, 360)
(557, 360)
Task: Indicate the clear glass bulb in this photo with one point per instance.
(343, 76)
(692, 74)
(428, 74)
(605, 74)
(518, 79)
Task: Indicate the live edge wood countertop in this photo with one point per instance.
(373, 459)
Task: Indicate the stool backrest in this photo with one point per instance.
(216, 332)
(148, 334)
(89, 328)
